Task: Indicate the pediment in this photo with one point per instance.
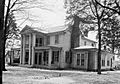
(26, 29)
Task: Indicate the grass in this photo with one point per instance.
(20, 75)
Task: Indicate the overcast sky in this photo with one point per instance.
(52, 17)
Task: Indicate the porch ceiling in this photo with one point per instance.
(48, 47)
(84, 47)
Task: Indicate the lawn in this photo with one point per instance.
(22, 75)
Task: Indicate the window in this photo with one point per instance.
(108, 63)
(67, 59)
(82, 59)
(92, 44)
(78, 59)
(45, 57)
(48, 40)
(85, 43)
(103, 62)
(55, 56)
(26, 57)
(36, 56)
(27, 41)
(39, 42)
(56, 39)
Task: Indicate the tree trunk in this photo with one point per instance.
(2, 3)
(3, 67)
(99, 47)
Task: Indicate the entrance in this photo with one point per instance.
(26, 57)
(38, 58)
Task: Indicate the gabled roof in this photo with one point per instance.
(45, 30)
(85, 47)
(84, 37)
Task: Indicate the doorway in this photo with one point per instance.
(38, 58)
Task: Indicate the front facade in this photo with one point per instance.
(60, 49)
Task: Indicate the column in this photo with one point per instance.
(50, 58)
(30, 42)
(23, 50)
(33, 45)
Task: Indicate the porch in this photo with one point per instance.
(44, 57)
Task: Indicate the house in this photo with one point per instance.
(13, 56)
(60, 47)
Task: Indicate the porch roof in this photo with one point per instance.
(85, 47)
(48, 47)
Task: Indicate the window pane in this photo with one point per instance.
(48, 40)
(78, 59)
(82, 59)
(40, 57)
(56, 39)
(36, 58)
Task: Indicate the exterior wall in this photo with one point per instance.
(92, 60)
(64, 42)
(74, 63)
(106, 56)
(88, 43)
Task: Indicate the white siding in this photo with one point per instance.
(88, 43)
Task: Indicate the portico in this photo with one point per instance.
(38, 55)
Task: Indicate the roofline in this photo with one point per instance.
(88, 39)
(44, 33)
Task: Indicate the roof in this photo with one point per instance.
(85, 47)
(89, 39)
(45, 30)
(90, 47)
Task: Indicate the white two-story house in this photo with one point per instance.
(60, 47)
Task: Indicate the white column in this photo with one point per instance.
(30, 41)
(33, 45)
(50, 58)
(23, 49)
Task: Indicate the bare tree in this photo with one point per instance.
(113, 5)
(13, 6)
(2, 2)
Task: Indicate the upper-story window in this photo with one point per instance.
(27, 41)
(48, 40)
(92, 44)
(85, 43)
(39, 42)
(56, 39)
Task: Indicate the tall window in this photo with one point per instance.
(48, 40)
(108, 63)
(82, 59)
(92, 44)
(39, 42)
(26, 57)
(27, 41)
(55, 56)
(78, 59)
(67, 59)
(45, 57)
(103, 62)
(85, 43)
(56, 39)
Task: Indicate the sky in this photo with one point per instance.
(54, 15)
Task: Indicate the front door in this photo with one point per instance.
(26, 57)
(38, 58)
